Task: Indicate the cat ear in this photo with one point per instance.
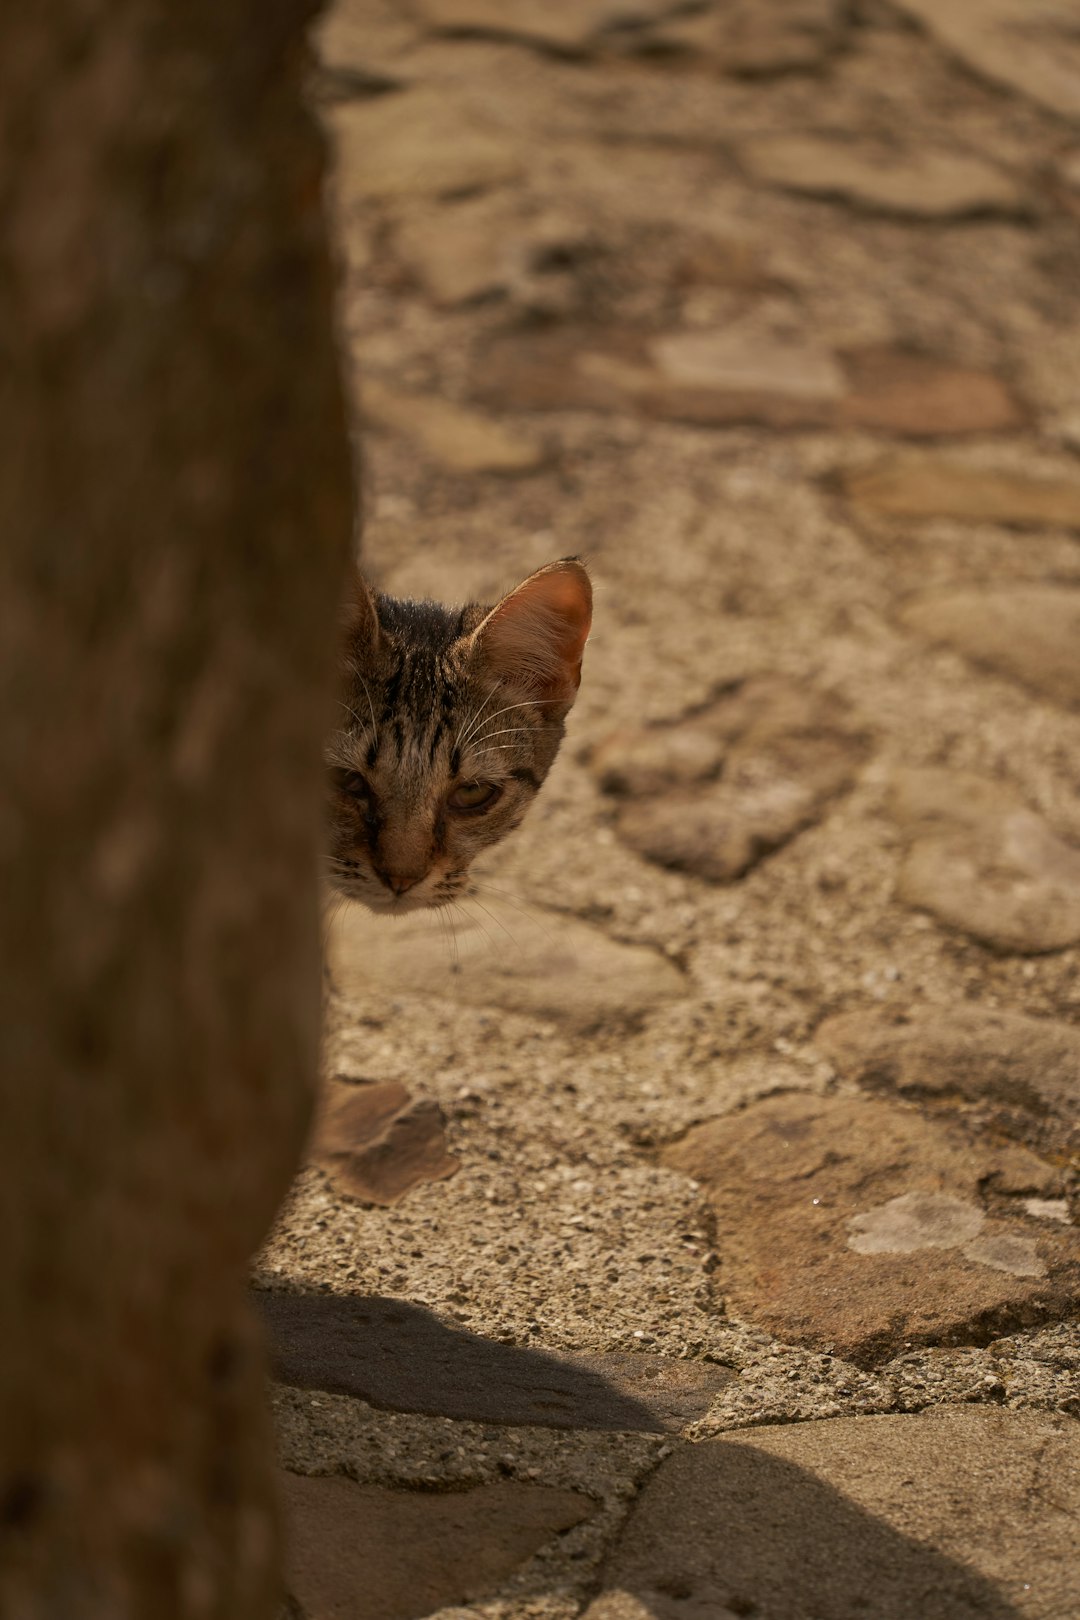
(536, 636)
(359, 616)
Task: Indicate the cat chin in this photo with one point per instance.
(399, 906)
(431, 894)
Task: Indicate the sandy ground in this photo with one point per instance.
(507, 205)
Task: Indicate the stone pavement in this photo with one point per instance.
(691, 1227)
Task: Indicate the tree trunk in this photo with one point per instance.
(175, 498)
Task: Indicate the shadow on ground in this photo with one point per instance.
(402, 1358)
(721, 1530)
(724, 1529)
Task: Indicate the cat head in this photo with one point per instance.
(450, 719)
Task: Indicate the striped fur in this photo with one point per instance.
(450, 719)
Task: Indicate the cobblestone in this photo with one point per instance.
(697, 276)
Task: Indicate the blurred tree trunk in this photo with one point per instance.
(175, 501)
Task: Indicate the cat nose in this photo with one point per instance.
(400, 882)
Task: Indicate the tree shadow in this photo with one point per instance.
(726, 1529)
(723, 1530)
(402, 1358)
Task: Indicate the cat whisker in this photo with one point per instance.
(518, 905)
(371, 710)
(541, 725)
(494, 747)
(455, 954)
(497, 921)
(529, 703)
(440, 912)
(488, 941)
(342, 757)
(469, 725)
(330, 918)
(349, 710)
(354, 669)
(516, 731)
(482, 746)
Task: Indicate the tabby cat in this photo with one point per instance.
(451, 719)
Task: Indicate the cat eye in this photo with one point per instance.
(351, 782)
(474, 796)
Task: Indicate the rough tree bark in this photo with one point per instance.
(175, 508)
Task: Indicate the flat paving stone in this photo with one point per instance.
(928, 485)
(757, 39)
(362, 1552)
(365, 49)
(1012, 884)
(1028, 47)
(930, 799)
(981, 862)
(566, 26)
(377, 1142)
(547, 965)
(743, 776)
(460, 252)
(500, 243)
(720, 831)
(957, 1514)
(416, 143)
(1029, 632)
(859, 1225)
(709, 379)
(404, 1359)
(730, 362)
(459, 439)
(1024, 1071)
(925, 183)
(917, 396)
(715, 378)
